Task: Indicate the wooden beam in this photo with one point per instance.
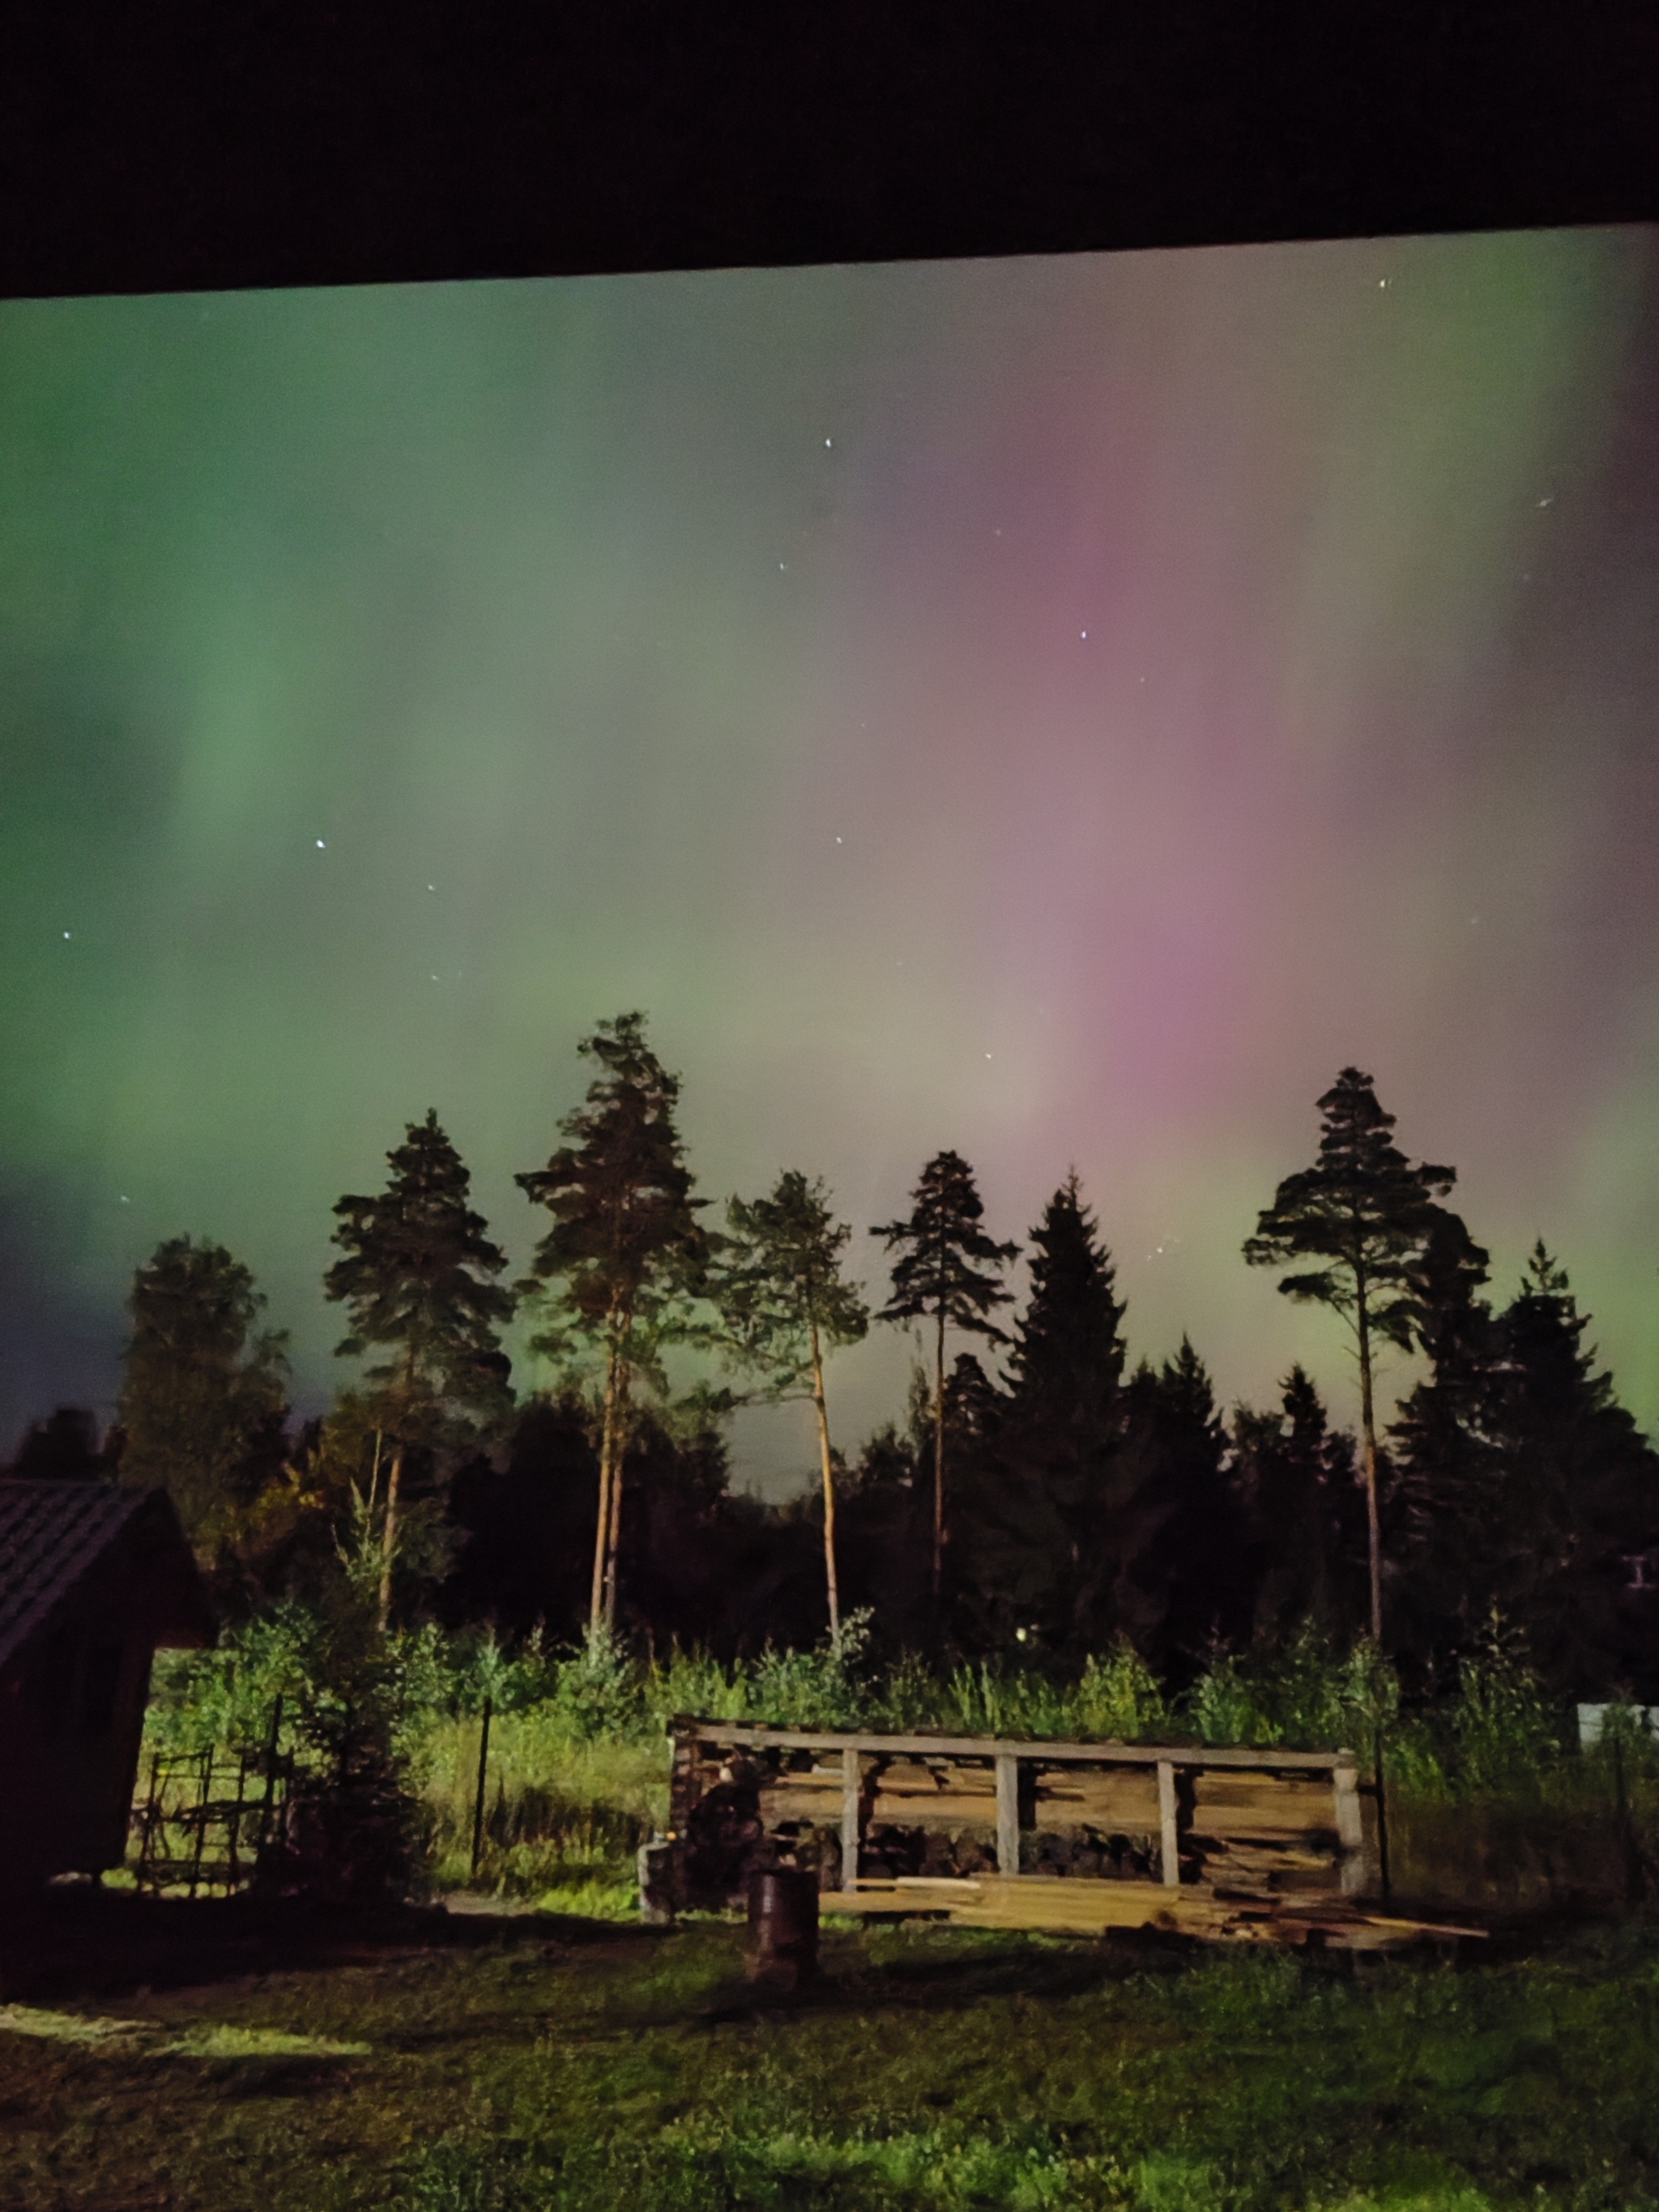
(1169, 1837)
(851, 1783)
(1007, 1812)
(1268, 1759)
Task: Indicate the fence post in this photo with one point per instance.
(1356, 1867)
(1007, 1812)
(1169, 1828)
(478, 1801)
(147, 1826)
(270, 1776)
(852, 1782)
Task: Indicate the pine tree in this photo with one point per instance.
(626, 1257)
(945, 1272)
(418, 1278)
(787, 1306)
(1369, 1213)
(203, 1394)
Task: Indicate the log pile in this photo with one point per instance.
(1221, 1842)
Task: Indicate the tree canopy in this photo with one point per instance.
(620, 1272)
(1367, 1213)
(947, 1271)
(203, 1391)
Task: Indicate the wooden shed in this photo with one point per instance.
(92, 1578)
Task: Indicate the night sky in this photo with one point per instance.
(1061, 710)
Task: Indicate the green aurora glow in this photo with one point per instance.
(1060, 709)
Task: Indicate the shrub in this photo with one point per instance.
(1119, 1696)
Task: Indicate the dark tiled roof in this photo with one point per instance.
(51, 1533)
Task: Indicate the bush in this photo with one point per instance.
(1119, 1696)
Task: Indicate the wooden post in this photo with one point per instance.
(1007, 1812)
(478, 1800)
(1358, 1872)
(271, 1742)
(851, 1783)
(1170, 1839)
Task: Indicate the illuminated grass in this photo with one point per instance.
(581, 2066)
(211, 2040)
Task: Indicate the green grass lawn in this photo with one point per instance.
(592, 2067)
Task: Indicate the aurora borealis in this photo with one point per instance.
(1060, 710)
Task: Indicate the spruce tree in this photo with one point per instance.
(1302, 1503)
(622, 1269)
(947, 1272)
(1188, 1573)
(1531, 1487)
(418, 1280)
(1368, 1213)
(1067, 1365)
(203, 1394)
(1036, 1521)
(1447, 1476)
(785, 1306)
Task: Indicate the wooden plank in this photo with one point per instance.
(1259, 1805)
(1062, 1906)
(1168, 1838)
(913, 1793)
(798, 1799)
(1120, 1801)
(725, 1733)
(1007, 1814)
(851, 1784)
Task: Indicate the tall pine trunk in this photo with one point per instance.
(613, 1451)
(938, 1462)
(1373, 1519)
(596, 1611)
(393, 1483)
(831, 1581)
(618, 1459)
(389, 1539)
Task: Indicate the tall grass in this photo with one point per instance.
(1490, 1780)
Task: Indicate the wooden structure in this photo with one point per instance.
(92, 1578)
(993, 1832)
(206, 1819)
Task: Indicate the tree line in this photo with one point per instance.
(1037, 1493)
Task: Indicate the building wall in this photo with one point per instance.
(71, 1715)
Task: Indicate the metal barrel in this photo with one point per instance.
(782, 1943)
